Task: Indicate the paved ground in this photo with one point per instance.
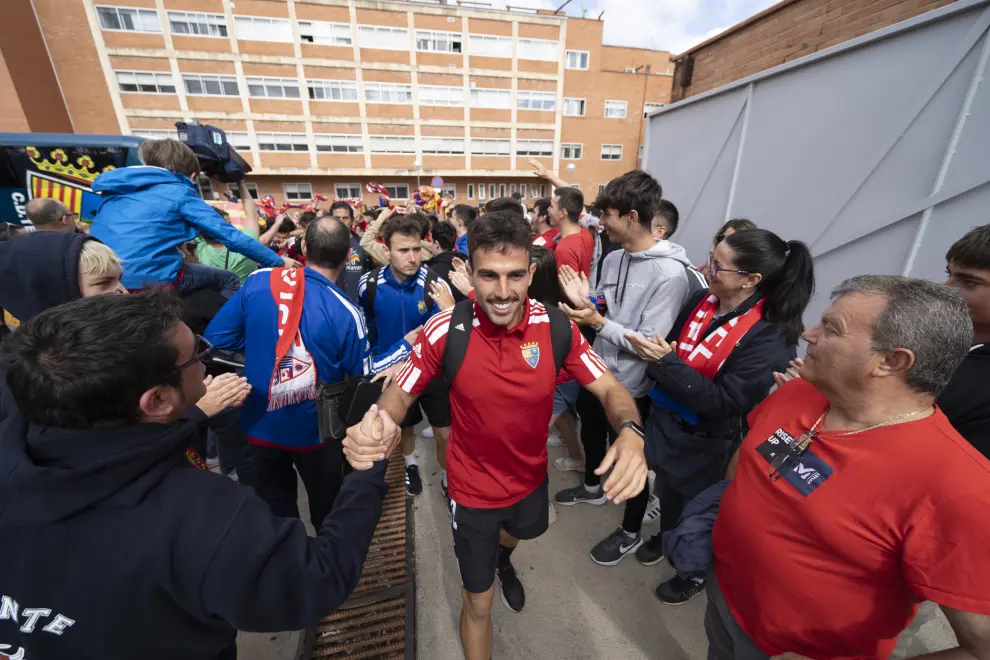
(575, 609)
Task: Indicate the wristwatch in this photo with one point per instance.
(636, 428)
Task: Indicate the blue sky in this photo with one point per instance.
(673, 25)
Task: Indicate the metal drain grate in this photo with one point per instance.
(377, 622)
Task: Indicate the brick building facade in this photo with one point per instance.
(322, 96)
(784, 32)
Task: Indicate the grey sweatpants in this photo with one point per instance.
(726, 640)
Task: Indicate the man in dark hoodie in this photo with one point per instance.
(444, 246)
(109, 551)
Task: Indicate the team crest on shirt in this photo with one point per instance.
(422, 307)
(531, 353)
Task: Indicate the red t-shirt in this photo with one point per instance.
(831, 560)
(576, 251)
(501, 402)
(548, 239)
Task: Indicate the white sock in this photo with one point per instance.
(410, 459)
(443, 478)
(592, 489)
(631, 535)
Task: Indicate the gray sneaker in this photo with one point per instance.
(579, 494)
(614, 547)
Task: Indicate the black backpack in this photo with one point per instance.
(216, 156)
(459, 335)
(372, 289)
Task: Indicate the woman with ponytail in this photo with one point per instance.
(713, 368)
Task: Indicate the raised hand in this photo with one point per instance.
(575, 286)
(371, 440)
(225, 391)
(650, 350)
(441, 295)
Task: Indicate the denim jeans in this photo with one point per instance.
(198, 276)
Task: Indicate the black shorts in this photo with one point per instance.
(476, 533)
(435, 402)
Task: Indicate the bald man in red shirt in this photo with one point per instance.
(501, 403)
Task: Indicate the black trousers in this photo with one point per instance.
(275, 479)
(596, 434)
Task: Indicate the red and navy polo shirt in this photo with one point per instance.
(501, 401)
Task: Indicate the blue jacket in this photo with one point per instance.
(146, 213)
(334, 334)
(461, 245)
(399, 308)
(688, 548)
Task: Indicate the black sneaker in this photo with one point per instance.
(678, 590)
(512, 591)
(579, 494)
(414, 485)
(651, 552)
(614, 547)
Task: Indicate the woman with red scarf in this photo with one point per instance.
(716, 364)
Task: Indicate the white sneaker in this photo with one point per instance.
(554, 440)
(553, 513)
(568, 464)
(652, 510)
(427, 432)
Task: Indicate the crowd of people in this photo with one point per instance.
(827, 504)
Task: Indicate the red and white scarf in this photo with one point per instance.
(294, 375)
(709, 354)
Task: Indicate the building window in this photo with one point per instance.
(202, 84)
(534, 192)
(534, 147)
(283, 142)
(500, 99)
(536, 100)
(615, 109)
(297, 192)
(611, 152)
(470, 191)
(574, 107)
(501, 190)
(490, 147)
(397, 190)
(393, 144)
(578, 59)
(543, 190)
(385, 38)
(260, 28)
(571, 151)
(601, 188)
(347, 191)
(205, 186)
(442, 145)
(576, 185)
(332, 90)
(438, 42)
(252, 189)
(650, 107)
(481, 191)
(339, 144)
(537, 49)
(514, 188)
(328, 34)
(197, 23)
(273, 88)
(491, 191)
(642, 148)
(145, 82)
(439, 95)
(490, 46)
(129, 20)
(387, 93)
(449, 188)
(154, 133)
(238, 140)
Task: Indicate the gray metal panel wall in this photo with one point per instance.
(876, 152)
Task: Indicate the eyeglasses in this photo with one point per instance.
(714, 269)
(203, 350)
(73, 217)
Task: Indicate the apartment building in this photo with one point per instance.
(322, 96)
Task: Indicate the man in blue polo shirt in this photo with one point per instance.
(397, 299)
(462, 217)
(325, 340)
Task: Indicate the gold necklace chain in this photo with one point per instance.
(887, 422)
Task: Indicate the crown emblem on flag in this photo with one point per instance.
(57, 162)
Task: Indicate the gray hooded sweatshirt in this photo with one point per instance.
(644, 292)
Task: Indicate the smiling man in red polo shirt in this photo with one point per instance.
(501, 402)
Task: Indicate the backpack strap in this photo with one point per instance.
(560, 336)
(458, 336)
(431, 277)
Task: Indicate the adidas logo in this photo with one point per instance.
(459, 326)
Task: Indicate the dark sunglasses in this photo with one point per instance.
(203, 350)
